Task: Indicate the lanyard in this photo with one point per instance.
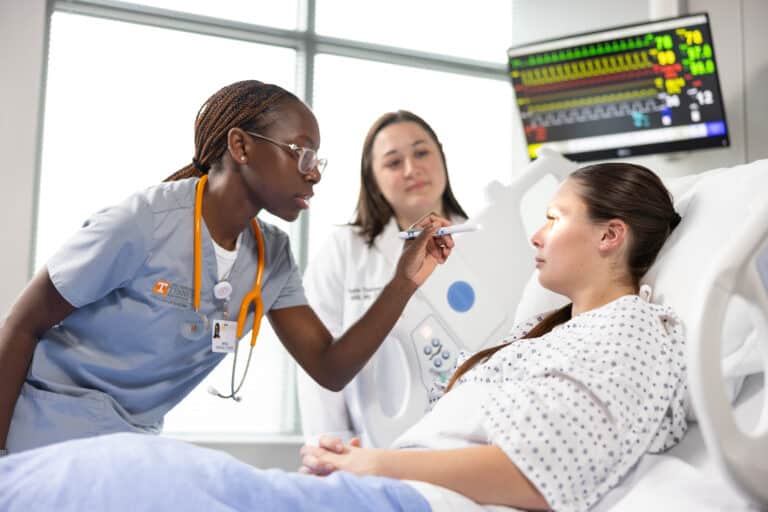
(255, 294)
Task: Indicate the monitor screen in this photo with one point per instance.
(631, 90)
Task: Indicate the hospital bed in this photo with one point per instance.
(713, 271)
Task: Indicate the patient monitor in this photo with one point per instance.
(466, 304)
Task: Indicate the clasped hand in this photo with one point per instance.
(332, 455)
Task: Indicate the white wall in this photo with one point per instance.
(23, 24)
(755, 16)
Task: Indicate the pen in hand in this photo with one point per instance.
(410, 234)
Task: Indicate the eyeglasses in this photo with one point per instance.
(306, 158)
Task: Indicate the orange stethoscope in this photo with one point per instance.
(253, 296)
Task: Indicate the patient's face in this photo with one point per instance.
(567, 244)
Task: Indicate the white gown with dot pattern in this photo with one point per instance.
(575, 409)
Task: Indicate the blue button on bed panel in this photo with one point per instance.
(461, 296)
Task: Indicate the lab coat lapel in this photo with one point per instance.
(388, 244)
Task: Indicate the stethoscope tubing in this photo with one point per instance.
(253, 296)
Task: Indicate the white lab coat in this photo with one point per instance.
(341, 283)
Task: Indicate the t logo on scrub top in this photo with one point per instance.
(161, 287)
(172, 293)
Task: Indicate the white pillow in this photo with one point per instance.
(710, 205)
(536, 300)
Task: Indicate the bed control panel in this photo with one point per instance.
(435, 349)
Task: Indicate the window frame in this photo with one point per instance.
(307, 44)
(304, 40)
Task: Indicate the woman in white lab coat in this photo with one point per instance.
(403, 176)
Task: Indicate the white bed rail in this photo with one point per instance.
(743, 269)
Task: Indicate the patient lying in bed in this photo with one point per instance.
(553, 418)
(574, 416)
(559, 413)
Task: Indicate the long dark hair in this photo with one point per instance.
(623, 191)
(244, 105)
(373, 212)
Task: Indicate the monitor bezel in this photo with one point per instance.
(683, 145)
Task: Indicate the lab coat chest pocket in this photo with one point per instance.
(364, 294)
(361, 289)
(367, 271)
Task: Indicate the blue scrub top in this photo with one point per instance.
(120, 361)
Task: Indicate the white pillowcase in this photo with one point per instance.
(711, 204)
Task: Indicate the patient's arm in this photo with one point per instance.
(482, 473)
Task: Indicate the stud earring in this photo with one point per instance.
(242, 158)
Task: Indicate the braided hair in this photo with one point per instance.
(244, 104)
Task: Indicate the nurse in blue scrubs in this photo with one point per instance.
(149, 295)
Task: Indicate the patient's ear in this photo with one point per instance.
(614, 235)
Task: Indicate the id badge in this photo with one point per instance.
(223, 335)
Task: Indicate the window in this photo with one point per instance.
(273, 13)
(121, 100)
(461, 109)
(478, 31)
(125, 80)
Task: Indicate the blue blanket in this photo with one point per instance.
(144, 472)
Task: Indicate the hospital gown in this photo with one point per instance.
(575, 409)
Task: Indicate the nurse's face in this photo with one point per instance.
(567, 245)
(272, 178)
(409, 171)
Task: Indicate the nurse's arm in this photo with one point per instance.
(331, 364)
(39, 307)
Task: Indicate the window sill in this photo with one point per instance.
(236, 438)
(259, 450)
